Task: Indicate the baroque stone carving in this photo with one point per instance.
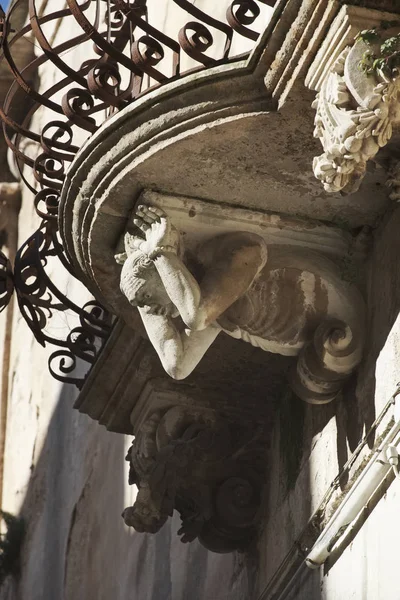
(355, 117)
(207, 468)
(281, 299)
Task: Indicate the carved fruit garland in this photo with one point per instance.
(351, 137)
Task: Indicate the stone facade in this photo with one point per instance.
(230, 460)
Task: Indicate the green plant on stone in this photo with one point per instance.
(10, 545)
(386, 58)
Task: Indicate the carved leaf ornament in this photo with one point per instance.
(356, 109)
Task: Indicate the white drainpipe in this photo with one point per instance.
(358, 496)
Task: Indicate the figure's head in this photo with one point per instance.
(142, 285)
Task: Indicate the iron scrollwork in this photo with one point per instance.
(6, 281)
(39, 299)
(120, 45)
(125, 55)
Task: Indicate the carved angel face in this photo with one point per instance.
(142, 285)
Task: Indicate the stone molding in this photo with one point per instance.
(117, 378)
(199, 220)
(355, 112)
(357, 472)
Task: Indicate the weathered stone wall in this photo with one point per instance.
(312, 444)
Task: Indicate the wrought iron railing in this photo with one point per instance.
(124, 55)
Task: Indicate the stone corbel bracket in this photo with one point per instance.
(301, 289)
(356, 111)
(187, 457)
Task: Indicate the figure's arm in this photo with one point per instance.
(223, 284)
(179, 352)
(227, 280)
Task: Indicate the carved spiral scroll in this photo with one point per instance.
(237, 502)
(326, 362)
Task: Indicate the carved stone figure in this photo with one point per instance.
(278, 298)
(209, 469)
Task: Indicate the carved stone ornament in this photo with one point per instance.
(282, 299)
(206, 467)
(355, 116)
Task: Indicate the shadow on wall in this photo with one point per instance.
(76, 545)
(383, 301)
(294, 477)
(355, 410)
(383, 308)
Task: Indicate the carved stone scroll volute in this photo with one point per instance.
(207, 467)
